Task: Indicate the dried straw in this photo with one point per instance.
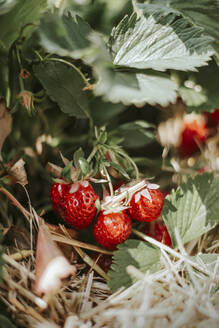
(168, 298)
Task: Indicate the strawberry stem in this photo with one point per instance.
(109, 181)
(92, 154)
(21, 82)
(131, 161)
(122, 197)
(70, 241)
(69, 64)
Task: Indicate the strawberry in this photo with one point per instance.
(146, 204)
(112, 229)
(57, 193)
(75, 203)
(104, 261)
(195, 131)
(159, 232)
(80, 206)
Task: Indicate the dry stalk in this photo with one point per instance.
(87, 259)
(162, 299)
(21, 255)
(75, 243)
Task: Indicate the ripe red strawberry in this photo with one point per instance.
(57, 193)
(195, 131)
(75, 203)
(112, 229)
(146, 205)
(104, 261)
(80, 206)
(159, 232)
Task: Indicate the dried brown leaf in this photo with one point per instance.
(27, 98)
(51, 265)
(29, 152)
(66, 249)
(64, 159)
(19, 173)
(54, 169)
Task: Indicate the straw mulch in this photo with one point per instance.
(176, 296)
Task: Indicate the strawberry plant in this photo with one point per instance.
(105, 107)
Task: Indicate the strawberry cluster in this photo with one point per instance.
(76, 204)
(112, 214)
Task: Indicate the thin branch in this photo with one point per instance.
(15, 202)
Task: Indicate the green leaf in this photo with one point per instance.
(120, 169)
(136, 134)
(103, 112)
(102, 137)
(6, 6)
(98, 204)
(204, 13)
(202, 95)
(136, 88)
(216, 56)
(128, 86)
(79, 153)
(25, 14)
(193, 208)
(84, 165)
(136, 253)
(171, 43)
(13, 76)
(3, 74)
(66, 171)
(63, 85)
(64, 35)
